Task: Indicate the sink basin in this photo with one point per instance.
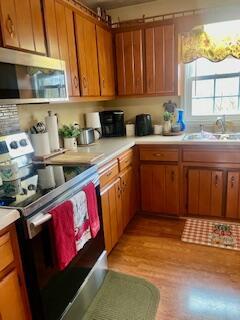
(212, 137)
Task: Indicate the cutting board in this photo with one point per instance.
(75, 158)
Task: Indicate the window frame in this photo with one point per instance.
(188, 98)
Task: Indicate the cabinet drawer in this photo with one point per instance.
(208, 156)
(6, 252)
(125, 160)
(109, 174)
(159, 155)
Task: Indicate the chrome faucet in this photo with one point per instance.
(221, 123)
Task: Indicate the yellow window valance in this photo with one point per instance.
(199, 43)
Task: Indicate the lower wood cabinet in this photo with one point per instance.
(160, 188)
(233, 195)
(205, 192)
(13, 295)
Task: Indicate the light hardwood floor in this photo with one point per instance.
(195, 282)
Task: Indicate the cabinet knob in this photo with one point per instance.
(10, 26)
(216, 180)
(109, 174)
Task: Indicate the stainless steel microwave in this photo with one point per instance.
(29, 78)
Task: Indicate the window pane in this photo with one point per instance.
(203, 88)
(202, 107)
(227, 87)
(227, 105)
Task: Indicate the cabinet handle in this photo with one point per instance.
(75, 81)
(10, 26)
(103, 83)
(84, 82)
(159, 155)
(119, 192)
(232, 182)
(216, 180)
(172, 176)
(109, 174)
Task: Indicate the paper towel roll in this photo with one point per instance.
(93, 120)
(46, 178)
(40, 142)
(52, 127)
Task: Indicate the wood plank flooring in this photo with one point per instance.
(195, 282)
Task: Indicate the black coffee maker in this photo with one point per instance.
(112, 123)
(143, 125)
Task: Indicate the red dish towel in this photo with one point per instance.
(63, 234)
(92, 208)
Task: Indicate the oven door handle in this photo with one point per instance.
(40, 219)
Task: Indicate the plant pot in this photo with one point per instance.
(70, 144)
(167, 126)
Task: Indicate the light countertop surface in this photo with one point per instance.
(113, 147)
(7, 217)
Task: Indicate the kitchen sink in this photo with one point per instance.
(205, 136)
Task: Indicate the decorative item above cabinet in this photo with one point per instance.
(22, 25)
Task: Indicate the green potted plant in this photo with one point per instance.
(167, 123)
(70, 134)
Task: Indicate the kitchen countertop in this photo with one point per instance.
(113, 147)
(7, 217)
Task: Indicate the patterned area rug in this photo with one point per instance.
(212, 233)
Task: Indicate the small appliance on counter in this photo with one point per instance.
(112, 123)
(143, 125)
(86, 136)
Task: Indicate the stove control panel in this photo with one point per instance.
(15, 145)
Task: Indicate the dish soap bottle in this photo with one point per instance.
(180, 120)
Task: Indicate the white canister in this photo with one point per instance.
(40, 142)
(157, 129)
(70, 144)
(130, 130)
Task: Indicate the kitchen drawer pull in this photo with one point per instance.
(10, 26)
(109, 174)
(159, 155)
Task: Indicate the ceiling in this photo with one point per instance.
(112, 4)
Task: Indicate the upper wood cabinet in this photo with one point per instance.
(129, 62)
(59, 21)
(205, 192)
(160, 60)
(105, 61)
(87, 56)
(22, 25)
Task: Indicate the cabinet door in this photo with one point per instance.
(129, 60)
(233, 195)
(24, 25)
(9, 24)
(160, 60)
(128, 190)
(87, 56)
(37, 25)
(205, 192)
(11, 304)
(113, 212)
(172, 189)
(105, 61)
(118, 191)
(106, 221)
(51, 28)
(67, 49)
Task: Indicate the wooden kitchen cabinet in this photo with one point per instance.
(13, 295)
(59, 21)
(129, 62)
(205, 192)
(233, 195)
(105, 61)
(112, 214)
(160, 60)
(22, 25)
(160, 188)
(128, 195)
(87, 56)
